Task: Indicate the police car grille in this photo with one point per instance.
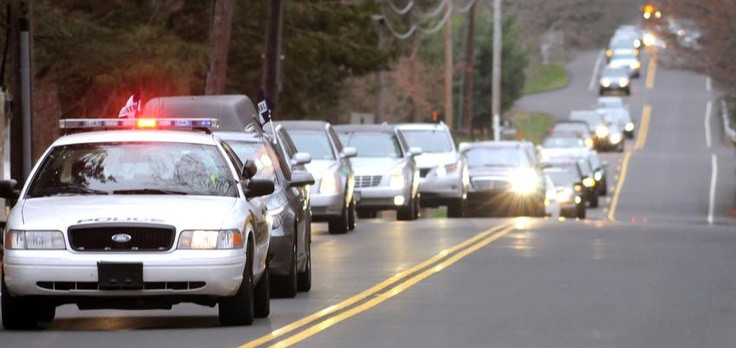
(101, 238)
(367, 180)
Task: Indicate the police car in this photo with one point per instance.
(136, 216)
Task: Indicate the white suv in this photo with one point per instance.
(443, 172)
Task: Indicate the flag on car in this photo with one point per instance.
(132, 108)
(265, 111)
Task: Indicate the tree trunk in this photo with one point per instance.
(469, 64)
(222, 15)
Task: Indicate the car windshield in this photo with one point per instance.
(563, 142)
(315, 143)
(257, 152)
(481, 156)
(615, 73)
(575, 127)
(134, 168)
(430, 141)
(372, 144)
(611, 103)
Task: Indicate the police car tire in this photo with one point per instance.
(351, 216)
(18, 313)
(287, 284)
(238, 309)
(304, 278)
(339, 225)
(262, 295)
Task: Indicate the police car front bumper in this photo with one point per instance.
(181, 272)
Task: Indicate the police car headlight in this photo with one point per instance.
(525, 181)
(397, 180)
(329, 184)
(34, 240)
(211, 239)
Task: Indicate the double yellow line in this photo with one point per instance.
(323, 319)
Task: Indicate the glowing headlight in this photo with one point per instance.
(629, 127)
(598, 176)
(615, 138)
(274, 218)
(605, 82)
(211, 239)
(601, 131)
(635, 65)
(578, 187)
(589, 143)
(396, 180)
(637, 43)
(564, 195)
(609, 53)
(525, 182)
(36, 240)
(623, 82)
(649, 39)
(329, 184)
(588, 182)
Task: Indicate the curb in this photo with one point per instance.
(727, 126)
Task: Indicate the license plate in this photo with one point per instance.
(120, 276)
(357, 196)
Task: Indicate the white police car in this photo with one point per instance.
(136, 219)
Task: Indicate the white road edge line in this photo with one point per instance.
(706, 123)
(707, 83)
(713, 178)
(595, 71)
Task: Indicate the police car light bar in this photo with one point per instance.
(139, 123)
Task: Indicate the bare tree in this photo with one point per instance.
(222, 16)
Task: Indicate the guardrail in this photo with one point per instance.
(727, 125)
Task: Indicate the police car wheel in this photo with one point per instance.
(238, 309)
(18, 313)
(286, 285)
(262, 295)
(304, 278)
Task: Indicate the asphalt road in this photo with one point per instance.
(652, 267)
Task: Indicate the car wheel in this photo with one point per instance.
(580, 211)
(238, 309)
(262, 295)
(407, 213)
(304, 278)
(594, 200)
(417, 208)
(351, 215)
(457, 208)
(339, 225)
(18, 313)
(286, 286)
(603, 190)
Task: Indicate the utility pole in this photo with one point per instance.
(220, 28)
(272, 55)
(448, 70)
(378, 116)
(20, 122)
(469, 65)
(496, 94)
(412, 43)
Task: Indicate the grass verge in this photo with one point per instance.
(532, 126)
(541, 78)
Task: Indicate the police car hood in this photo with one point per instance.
(375, 165)
(318, 168)
(431, 160)
(183, 212)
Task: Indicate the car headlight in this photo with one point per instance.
(637, 43)
(211, 239)
(589, 143)
(275, 217)
(525, 181)
(601, 131)
(442, 171)
(649, 39)
(598, 175)
(629, 126)
(34, 240)
(564, 195)
(588, 182)
(397, 180)
(615, 138)
(636, 65)
(329, 184)
(605, 82)
(609, 53)
(623, 82)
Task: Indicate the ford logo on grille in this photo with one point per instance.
(121, 238)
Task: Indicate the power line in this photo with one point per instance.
(438, 26)
(399, 11)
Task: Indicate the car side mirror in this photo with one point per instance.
(463, 146)
(258, 188)
(301, 158)
(249, 169)
(415, 151)
(349, 152)
(9, 189)
(301, 178)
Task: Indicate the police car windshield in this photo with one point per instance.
(256, 152)
(315, 143)
(496, 157)
(134, 168)
(372, 144)
(430, 141)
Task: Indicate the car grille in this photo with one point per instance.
(424, 171)
(367, 180)
(142, 238)
(67, 286)
(490, 184)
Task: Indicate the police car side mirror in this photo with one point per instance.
(9, 189)
(258, 188)
(415, 151)
(301, 158)
(349, 152)
(249, 169)
(301, 178)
